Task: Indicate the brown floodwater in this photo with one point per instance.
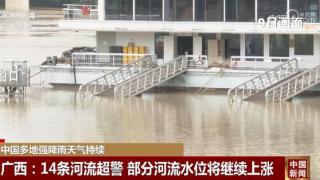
(207, 124)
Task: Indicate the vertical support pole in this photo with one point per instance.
(134, 10)
(193, 10)
(163, 9)
(101, 10)
(256, 10)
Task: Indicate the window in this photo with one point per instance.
(271, 7)
(279, 45)
(119, 10)
(179, 10)
(169, 10)
(184, 10)
(308, 9)
(159, 44)
(240, 10)
(232, 44)
(254, 45)
(149, 10)
(303, 44)
(209, 10)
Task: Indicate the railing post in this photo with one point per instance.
(145, 81)
(281, 88)
(317, 74)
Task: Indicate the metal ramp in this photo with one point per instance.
(108, 81)
(294, 86)
(152, 78)
(259, 84)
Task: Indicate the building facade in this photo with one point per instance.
(219, 29)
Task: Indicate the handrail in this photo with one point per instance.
(197, 61)
(80, 11)
(256, 62)
(122, 74)
(264, 80)
(294, 85)
(104, 59)
(150, 79)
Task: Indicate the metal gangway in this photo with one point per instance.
(152, 78)
(294, 86)
(264, 81)
(108, 81)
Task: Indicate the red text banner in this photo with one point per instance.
(264, 168)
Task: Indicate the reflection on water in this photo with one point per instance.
(207, 124)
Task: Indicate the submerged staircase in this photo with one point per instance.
(152, 78)
(257, 86)
(108, 81)
(294, 86)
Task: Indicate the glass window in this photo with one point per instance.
(184, 10)
(279, 45)
(169, 10)
(119, 10)
(200, 10)
(254, 45)
(2, 5)
(148, 10)
(209, 10)
(214, 10)
(308, 9)
(271, 7)
(156, 9)
(232, 44)
(240, 10)
(179, 10)
(303, 44)
(159, 44)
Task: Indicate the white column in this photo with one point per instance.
(17, 5)
(197, 45)
(242, 45)
(168, 48)
(316, 42)
(193, 10)
(101, 9)
(163, 8)
(134, 10)
(291, 48)
(256, 10)
(266, 45)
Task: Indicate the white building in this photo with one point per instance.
(254, 34)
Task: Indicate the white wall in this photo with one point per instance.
(140, 39)
(197, 45)
(17, 5)
(101, 8)
(242, 45)
(169, 48)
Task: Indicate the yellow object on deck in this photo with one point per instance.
(125, 58)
